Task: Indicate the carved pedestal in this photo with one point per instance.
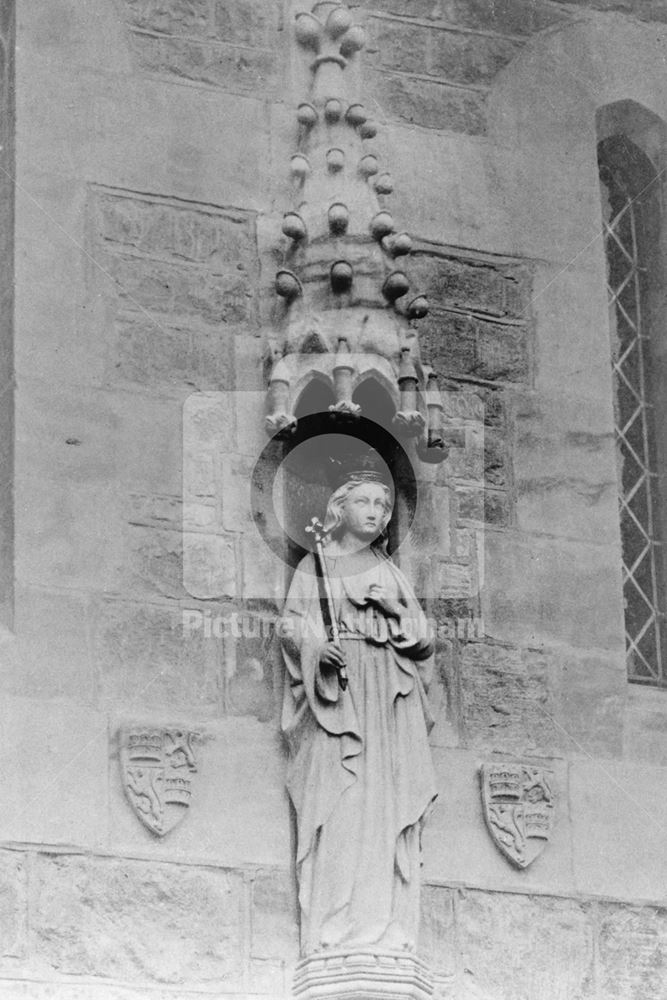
(362, 975)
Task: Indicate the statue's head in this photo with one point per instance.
(361, 506)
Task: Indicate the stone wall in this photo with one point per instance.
(152, 143)
(7, 169)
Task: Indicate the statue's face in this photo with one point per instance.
(365, 511)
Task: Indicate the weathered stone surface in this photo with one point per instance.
(633, 952)
(53, 641)
(134, 920)
(38, 990)
(234, 70)
(149, 353)
(55, 772)
(146, 655)
(497, 508)
(565, 467)
(430, 9)
(496, 288)
(250, 655)
(618, 817)
(218, 239)
(541, 590)
(469, 59)
(496, 458)
(645, 724)
(432, 105)
(13, 904)
(240, 22)
(437, 940)
(246, 22)
(510, 700)
(274, 916)
(594, 703)
(547, 947)
(461, 345)
(210, 565)
(160, 287)
(188, 17)
(509, 17)
(182, 274)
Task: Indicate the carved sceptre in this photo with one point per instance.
(316, 528)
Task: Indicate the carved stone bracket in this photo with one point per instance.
(362, 975)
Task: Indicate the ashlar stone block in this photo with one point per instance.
(416, 101)
(13, 904)
(517, 947)
(147, 654)
(633, 952)
(139, 921)
(510, 699)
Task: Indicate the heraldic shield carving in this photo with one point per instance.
(158, 768)
(518, 804)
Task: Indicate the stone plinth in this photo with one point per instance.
(362, 975)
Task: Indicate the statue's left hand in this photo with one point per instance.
(377, 595)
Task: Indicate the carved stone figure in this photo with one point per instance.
(356, 719)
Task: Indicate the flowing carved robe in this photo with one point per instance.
(360, 774)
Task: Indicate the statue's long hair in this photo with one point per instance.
(333, 519)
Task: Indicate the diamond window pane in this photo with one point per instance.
(635, 440)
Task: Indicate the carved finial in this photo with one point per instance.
(329, 29)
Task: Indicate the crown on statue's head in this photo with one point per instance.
(359, 465)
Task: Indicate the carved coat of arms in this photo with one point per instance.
(518, 804)
(158, 768)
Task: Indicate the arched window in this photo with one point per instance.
(631, 144)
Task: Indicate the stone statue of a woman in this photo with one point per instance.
(360, 773)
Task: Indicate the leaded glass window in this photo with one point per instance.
(631, 230)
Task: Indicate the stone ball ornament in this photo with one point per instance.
(397, 244)
(382, 224)
(339, 218)
(353, 41)
(355, 115)
(294, 227)
(307, 115)
(384, 184)
(396, 285)
(341, 276)
(338, 22)
(299, 167)
(335, 158)
(368, 130)
(418, 307)
(309, 31)
(288, 285)
(333, 110)
(368, 165)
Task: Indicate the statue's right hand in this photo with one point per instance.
(331, 656)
